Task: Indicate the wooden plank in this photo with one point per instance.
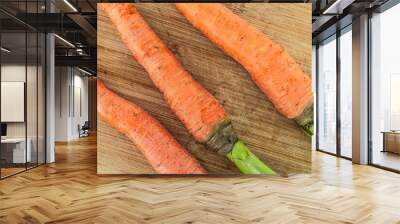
(278, 141)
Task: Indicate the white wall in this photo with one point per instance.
(13, 72)
(81, 84)
(61, 103)
(69, 82)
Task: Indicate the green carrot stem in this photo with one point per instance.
(309, 129)
(306, 120)
(246, 161)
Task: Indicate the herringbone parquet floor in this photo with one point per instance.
(69, 191)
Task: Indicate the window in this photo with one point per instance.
(333, 137)
(394, 102)
(327, 95)
(385, 89)
(346, 75)
(22, 101)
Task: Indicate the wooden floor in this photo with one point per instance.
(8, 171)
(11, 170)
(387, 159)
(69, 191)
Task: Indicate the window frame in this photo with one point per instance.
(337, 35)
(30, 30)
(381, 9)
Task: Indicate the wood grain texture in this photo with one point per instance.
(276, 140)
(70, 191)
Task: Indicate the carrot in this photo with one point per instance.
(161, 150)
(274, 71)
(199, 111)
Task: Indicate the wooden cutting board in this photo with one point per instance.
(276, 140)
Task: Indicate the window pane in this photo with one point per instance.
(385, 90)
(13, 86)
(41, 99)
(31, 98)
(327, 96)
(346, 94)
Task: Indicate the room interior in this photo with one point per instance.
(22, 102)
(334, 71)
(385, 89)
(27, 59)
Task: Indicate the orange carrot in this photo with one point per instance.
(274, 71)
(161, 150)
(196, 107)
(199, 111)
